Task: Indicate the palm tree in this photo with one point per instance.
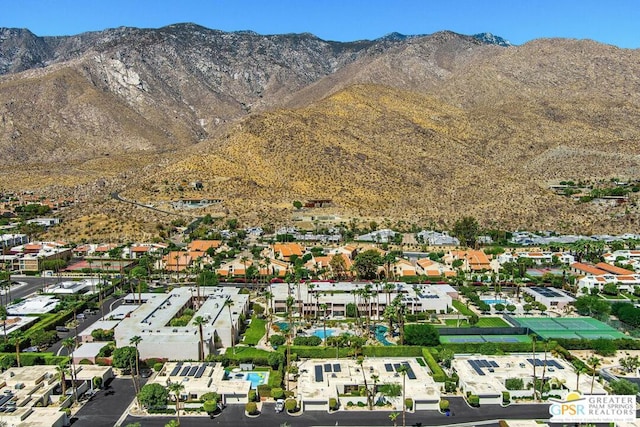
(199, 321)
(290, 301)
(535, 362)
(310, 288)
(244, 261)
(360, 363)
(175, 389)
(229, 303)
(3, 317)
(579, 371)
(544, 367)
(393, 417)
(135, 340)
(593, 362)
(62, 370)
(268, 297)
(16, 340)
(323, 307)
(402, 370)
(70, 344)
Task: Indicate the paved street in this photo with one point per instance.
(234, 416)
(106, 407)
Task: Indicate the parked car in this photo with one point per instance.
(32, 349)
(279, 405)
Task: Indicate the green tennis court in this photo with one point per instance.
(569, 327)
(458, 339)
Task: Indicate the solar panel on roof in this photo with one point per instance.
(494, 364)
(192, 371)
(336, 367)
(410, 374)
(388, 367)
(201, 371)
(327, 367)
(474, 365)
(184, 372)
(396, 366)
(319, 375)
(175, 370)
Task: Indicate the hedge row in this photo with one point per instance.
(489, 348)
(437, 372)
(30, 359)
(585, 344)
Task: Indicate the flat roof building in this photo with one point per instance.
(321, 379)
(486, 376)
(151, 321)
(417, 298)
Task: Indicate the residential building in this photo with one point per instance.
(435, 238)
(151, 321)
(417, 298)
(550, 297)
(486, 376)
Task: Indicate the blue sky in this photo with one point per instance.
(615, 22)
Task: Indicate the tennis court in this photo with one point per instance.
(460, 339)
(569, 327)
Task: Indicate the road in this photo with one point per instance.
(28, 286)
(83, 324)
(107, 405)
(233, 416)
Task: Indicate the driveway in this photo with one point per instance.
(106, 407)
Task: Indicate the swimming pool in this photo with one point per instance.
(495, 301)
(320, 333)
(380, 332)
(255, 377)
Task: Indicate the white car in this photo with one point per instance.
(279, 405)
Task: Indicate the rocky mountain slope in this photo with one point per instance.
(413, 128)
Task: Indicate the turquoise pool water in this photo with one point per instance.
(495, 301)
(320, 333)
(379, 332)
(255, 377)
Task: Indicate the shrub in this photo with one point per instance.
(408, 403)
(444, 405)
(253, 396)
(474, 400)
(361, 404)
(158, 366)
(276, 340)
(333, 403)
(251, 408)
(212, 395)
(436, 370)
(506, 397)
(277, 393)
(291, 405)
(514, 384)
(421, 335)
(309, 341)
(86, 362)
(210, 406)
(264, 390)
(97, 382)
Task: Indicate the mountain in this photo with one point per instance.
(492, 39)
(417, 129)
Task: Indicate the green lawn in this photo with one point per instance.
(462, 308)
(255, 331)
(484, 322)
